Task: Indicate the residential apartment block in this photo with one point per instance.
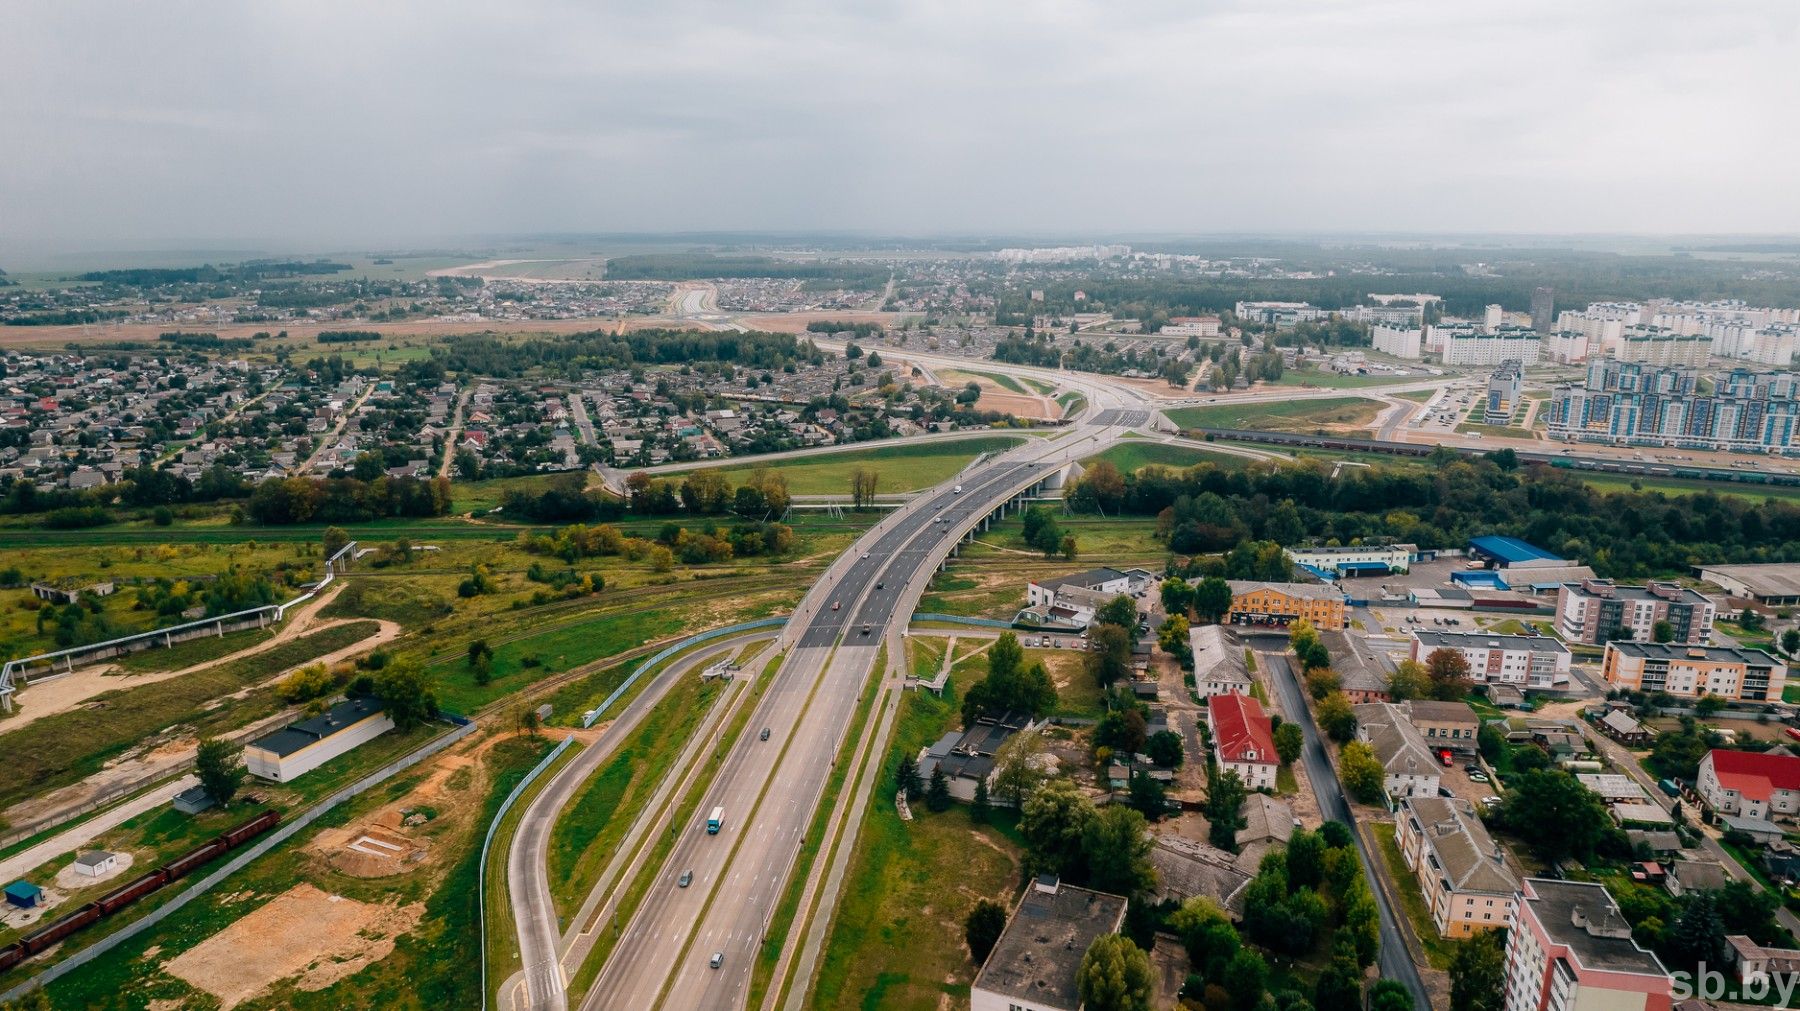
(1747, 675)
(1596, 610)
(1259, 603)
(1462, 872)
(1473, 346)
(1243, 740)
(1411, 768)
(1625, 403)
(1523, 661)
(1402, 340)
(1649, 345)
(1571, 949)
(1750, 784)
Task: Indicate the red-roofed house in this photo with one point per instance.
(1242, 739)
(1749, 784)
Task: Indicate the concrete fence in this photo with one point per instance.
(957, 619)
(283, 832)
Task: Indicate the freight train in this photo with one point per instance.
(1692, 472)
(38, 940)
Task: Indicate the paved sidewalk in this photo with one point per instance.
(15, 866)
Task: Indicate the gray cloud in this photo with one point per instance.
(149, 124)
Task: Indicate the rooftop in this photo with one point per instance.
(1710, 654)
(1778, 579)
(1218, 655)
(1304, 591)
(1582, 917)
(1469, 859)
(1489, 640)
(1511, 550)
(1042, 946)
(1240, 729)
(335, 720)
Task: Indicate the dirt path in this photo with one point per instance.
(455, 433)
(70, 690)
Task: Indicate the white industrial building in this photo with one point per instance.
(299, 748)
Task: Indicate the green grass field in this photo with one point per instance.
(1284, 416)
(1678, 487)
(897, 939)
(959, 376)
(1134, 455)
(1337, 381)
(902, 468)
(1038, 384)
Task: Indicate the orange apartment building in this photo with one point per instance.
(1281, 604)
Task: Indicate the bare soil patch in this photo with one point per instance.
(304, 935)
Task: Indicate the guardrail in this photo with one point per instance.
(281, 834)
(588, 718)
(163, 636)
(488, 843)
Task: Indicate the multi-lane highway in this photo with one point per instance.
(769, 789)
(693, 939)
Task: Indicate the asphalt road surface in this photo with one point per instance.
(1394, 962)
(527, 877)
(770, 789)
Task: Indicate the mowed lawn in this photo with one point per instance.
(1132, 456)
(902, 468)
(1341, 413)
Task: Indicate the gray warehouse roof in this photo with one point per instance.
(335, 720)
(1038, 954)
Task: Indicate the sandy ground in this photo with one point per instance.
(302, 933)
(61, 694)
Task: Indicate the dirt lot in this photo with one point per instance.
(302, 933)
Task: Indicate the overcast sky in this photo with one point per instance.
(133, 125)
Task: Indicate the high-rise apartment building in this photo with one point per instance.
(1543, 309)
(1631, 404)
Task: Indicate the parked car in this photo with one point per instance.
(1478, 777)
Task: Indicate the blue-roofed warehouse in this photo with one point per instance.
(1511, 553)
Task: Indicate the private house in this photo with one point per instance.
(1034, 963)
(1220, 667)
(298, 748)
(1755, 963)
(1281, 604)
(1462, 873)
(1623, 727)
(1411, 768)
(1687, 876)
(1761, 786)
(1243, 740)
